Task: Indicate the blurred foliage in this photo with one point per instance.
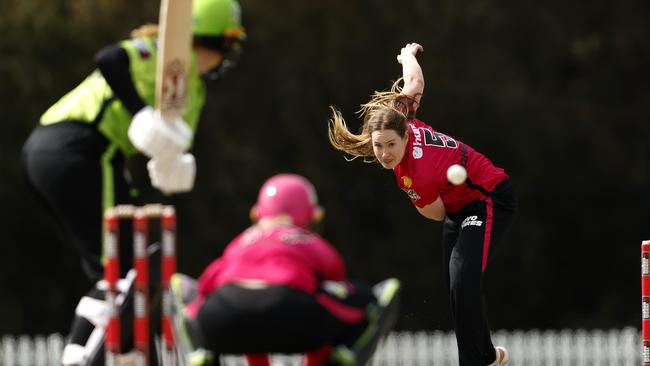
(555, 92)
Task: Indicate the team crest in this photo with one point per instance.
(407, 182)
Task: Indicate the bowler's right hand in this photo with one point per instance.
(410, 50)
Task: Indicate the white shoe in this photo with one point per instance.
(502, 356)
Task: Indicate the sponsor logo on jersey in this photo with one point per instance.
(471, 221)
(413, 195)
(417, 136)
(417, 152)
(292, 237)
(141, 46)
(417, 142)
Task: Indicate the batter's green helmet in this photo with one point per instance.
(217, 24)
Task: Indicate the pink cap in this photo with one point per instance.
(288, 194)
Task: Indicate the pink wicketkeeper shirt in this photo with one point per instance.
(280, 255)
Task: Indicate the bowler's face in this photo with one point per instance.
(389, 147)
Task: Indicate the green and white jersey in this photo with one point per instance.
(94, 102)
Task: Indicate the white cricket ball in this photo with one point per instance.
(456, 174)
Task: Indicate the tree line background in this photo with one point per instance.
(555, 92)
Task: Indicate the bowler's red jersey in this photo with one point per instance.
(422, 173)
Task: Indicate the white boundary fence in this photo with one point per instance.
(614, 347)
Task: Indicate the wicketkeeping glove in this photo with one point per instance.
(158, 138)
(175, 175)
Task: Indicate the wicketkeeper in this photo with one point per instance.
(281, 288)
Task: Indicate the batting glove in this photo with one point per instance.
(175, 175)
(159, 138)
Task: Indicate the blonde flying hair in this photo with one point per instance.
(385, 110)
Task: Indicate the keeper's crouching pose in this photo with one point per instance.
(280, 288)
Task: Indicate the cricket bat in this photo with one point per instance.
(174, 44)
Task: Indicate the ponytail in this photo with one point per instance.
(342, 139)
(385, 110)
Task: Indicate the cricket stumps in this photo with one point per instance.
(141, 216)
